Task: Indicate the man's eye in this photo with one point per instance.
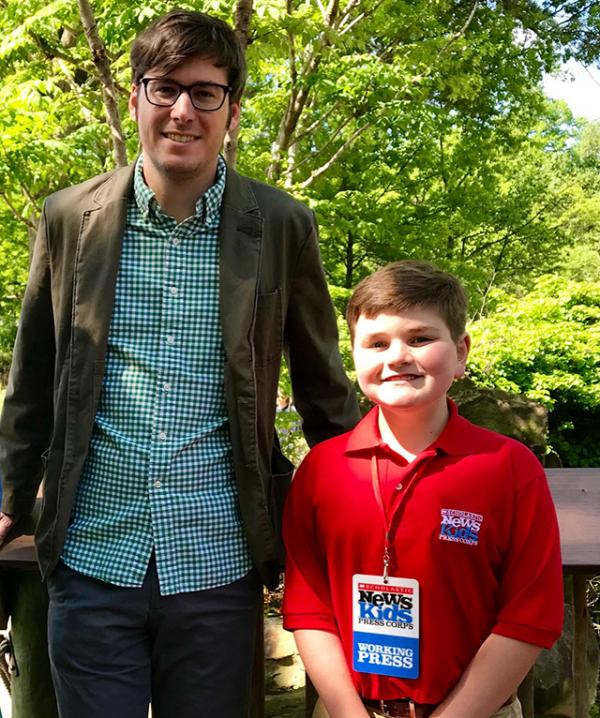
(205, 92)
(167, 91)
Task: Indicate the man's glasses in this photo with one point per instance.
(205, 96)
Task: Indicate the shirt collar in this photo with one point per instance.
(455, 439)
(208, 207)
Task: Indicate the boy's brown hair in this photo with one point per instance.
(405, 285)
(181, 34)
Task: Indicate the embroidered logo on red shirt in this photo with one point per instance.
(460, 526)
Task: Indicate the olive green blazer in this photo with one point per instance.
(273, 301)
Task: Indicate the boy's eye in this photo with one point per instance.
(422, 339)
(378, 344)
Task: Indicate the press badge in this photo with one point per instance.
(385, 626)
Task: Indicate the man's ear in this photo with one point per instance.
(133, 100)
(463, 347)
(235, 109)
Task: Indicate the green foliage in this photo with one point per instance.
(546, 345)
(288, 425)
(413, 129)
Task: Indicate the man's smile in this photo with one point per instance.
(177, 137)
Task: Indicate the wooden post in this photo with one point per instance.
(526, 695)
(310, 698)
(580, 632)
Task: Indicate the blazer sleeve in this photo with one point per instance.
(27, 415)
(323, 394)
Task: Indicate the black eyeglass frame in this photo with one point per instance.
(187, 89)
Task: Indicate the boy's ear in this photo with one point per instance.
(463, 346)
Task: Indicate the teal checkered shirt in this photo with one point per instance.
(159, 473)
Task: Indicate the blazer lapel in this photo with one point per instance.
(98, 256)
(240, 246)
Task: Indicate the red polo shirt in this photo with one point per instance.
(505, 578)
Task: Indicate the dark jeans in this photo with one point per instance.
(114, 649)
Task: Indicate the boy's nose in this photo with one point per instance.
(399, 353)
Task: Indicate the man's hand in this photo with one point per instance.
(6, 524)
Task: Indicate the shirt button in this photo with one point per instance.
(170, 339)
(176, 241)
(399, 487)
(157, 484)
(173, 291)
(162, 436)
(166, 387)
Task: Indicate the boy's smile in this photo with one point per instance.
(407, 361)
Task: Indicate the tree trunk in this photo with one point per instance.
(242, 19)
(349, 279)
(109, 90)
(300, 94)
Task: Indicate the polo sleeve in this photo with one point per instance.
(531, 605)
(307, 598)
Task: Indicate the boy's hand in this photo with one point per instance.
(490, 679)
(6, 524)
(323, 657)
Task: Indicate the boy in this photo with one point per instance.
(423, 573)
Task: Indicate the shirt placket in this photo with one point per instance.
(164, 425)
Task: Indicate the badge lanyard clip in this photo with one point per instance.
(387, 522)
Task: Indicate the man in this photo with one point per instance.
(144, 381)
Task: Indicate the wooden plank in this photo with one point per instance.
(576, 494)
(18, 553)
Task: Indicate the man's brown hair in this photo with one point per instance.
(182, 34)
(405, 285)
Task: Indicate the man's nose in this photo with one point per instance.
(183, 108)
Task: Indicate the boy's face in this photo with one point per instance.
(407, 361)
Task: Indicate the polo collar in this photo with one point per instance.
(455, 439)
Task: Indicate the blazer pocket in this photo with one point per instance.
(282, 470)
(268, 329)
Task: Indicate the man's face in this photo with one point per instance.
(407, 361)
(181, 143)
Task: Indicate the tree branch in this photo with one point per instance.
(299, 96)
(109, 91)
(31, 225)
(323, 168)
(242, 19)
(457, 35)
(319, 121)
(327, 144)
